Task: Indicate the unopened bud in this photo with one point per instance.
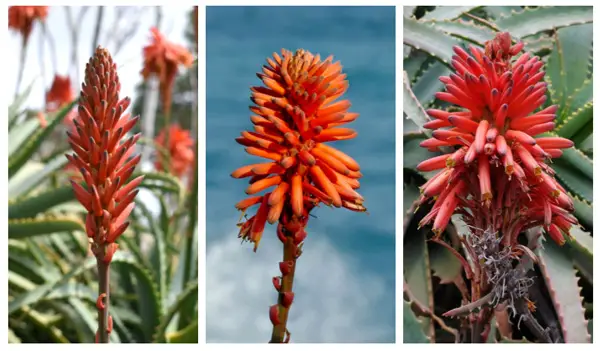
(286, 267)
(277, 283)
(287, 299)
(274, 315)
(299, 236)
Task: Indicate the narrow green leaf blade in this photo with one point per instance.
(25, 228)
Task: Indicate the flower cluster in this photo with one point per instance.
(102, 156)
(180, 150)
(497, 174)
(295, 114)
(21, 18)
(60, 93)
(163, 58)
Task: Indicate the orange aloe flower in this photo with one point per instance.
(103, 155)
(180, 149)
(497, 174)
(296, 113)
(162, 58)
(21, 18)
(60, 93)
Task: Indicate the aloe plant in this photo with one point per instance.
(434, 278)
(52, 287)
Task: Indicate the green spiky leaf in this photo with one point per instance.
(16, 161)
(25, 228)
(30, 206)
(412, 327)
(423, 36)
(441, 13)
(531, 21)
(561, 281)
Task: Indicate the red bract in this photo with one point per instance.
(180, 150)
(163, 58)
(497, 174)
(21, 18)
(103, 155)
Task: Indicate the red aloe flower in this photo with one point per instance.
(497, 174)
(60, 93)
(295, 114)
(162, 58)
(104, 159)
(180, 150)
(21, 18)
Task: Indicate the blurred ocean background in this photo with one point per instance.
(345, 280)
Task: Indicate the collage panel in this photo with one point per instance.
(498, 175)
(102, 174)
(300, 164)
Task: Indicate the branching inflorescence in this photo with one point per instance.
(497, 175)
(295, 114)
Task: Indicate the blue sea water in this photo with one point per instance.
(239, 39)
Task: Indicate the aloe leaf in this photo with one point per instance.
(538, 44)
(147, 300)
(16, 161)
(561, 281)
(576, 121)
(414, 63)
(415, 154)
(34, 180)
(441, 13)
(44, 323)
(579, 161)
(429, 83)
(531, 21)
(417, 273)
(502, 11)
(162, 181)
(38, 203)
(412, 327)
(581, 252)
(25, 228)
(188, 335)
(491, 339)
(444, 264)
(20, 133)
(408, 11)
(410, 194)
(16, 105)
(187, 267)
(187, 296)
(466, 30)
(412, 107)
(583, 212)
(574, 180)
(580, 97)
(423, 36)
(159, 253)
(12, 337)
(566, 73)
(85, 334)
